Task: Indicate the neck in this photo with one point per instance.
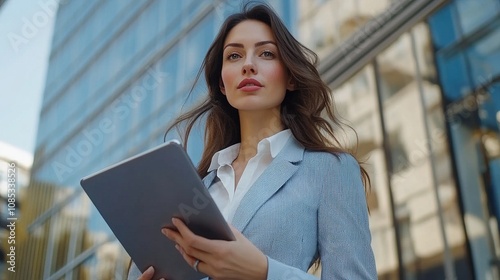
(255, 126)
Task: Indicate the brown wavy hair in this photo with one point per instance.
(303, 110)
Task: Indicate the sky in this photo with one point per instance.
(26, 28)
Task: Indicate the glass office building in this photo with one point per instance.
(119, 72)
(418, 81)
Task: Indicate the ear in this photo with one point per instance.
(221, 87)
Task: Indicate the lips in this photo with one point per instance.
(249, 83)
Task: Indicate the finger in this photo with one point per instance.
(148, 274)
(180, 244)
(191, 254)
(192, 240)
(190, 260)
(181, 227)
(172, 235)
(178, 239)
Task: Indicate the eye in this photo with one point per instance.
(233, 56)
(267, 54)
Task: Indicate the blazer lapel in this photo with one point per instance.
(271, 180)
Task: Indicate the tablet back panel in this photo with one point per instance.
(139, 196)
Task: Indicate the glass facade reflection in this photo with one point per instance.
(335, 21)
(472, 106)
(419, 90)
(119, 72)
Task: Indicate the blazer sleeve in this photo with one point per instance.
(280, 271)
(343, 228)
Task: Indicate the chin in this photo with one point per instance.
(248, 107)
(256, 108)
(251, 104)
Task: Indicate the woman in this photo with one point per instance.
(273, 164)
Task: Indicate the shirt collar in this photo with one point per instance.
(277, 141)
(272, 144)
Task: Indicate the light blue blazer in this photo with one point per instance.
(307, 204)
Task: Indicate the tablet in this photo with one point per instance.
(139, 196)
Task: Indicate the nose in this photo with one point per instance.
(249, 67)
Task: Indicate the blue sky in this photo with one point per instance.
(26, 28)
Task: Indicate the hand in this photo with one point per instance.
(219, 259)
(148, 274)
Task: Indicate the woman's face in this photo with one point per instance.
(253, 75)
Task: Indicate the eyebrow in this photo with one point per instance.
(258, 44)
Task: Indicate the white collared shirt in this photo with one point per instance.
(226, 195)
